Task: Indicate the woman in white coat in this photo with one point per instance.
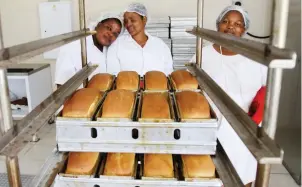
(138, 51)
(69, 61)
(241, 78)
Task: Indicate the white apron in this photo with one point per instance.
(240, 78)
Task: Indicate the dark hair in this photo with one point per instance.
(108, 19)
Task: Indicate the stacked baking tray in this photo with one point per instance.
(136, 135)
(183, 43)
(160, 27)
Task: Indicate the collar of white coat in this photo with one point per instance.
(129, 37)
(90, 43)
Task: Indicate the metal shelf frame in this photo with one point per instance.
(258, 140)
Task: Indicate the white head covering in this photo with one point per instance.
(103, 17)
(235, 8)
(137, 8)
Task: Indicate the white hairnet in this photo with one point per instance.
(138, 8)
(235, 8)
(103, 17)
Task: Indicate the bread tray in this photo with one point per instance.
(137, 181)
(193, 137)
(140, 105)
(120, 119)
(100, 102)
(213, 115)
(62, 172)
(141, 137)
(173, 88)
(168, 86)
(138, 86)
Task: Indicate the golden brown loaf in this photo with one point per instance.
(119, 164)
(158, 166)
(198, 166)
(183, 80)
(192, 105)
(118, 104)
(155, 106)
(127, 80)
(82, 103)
(101, 81)
(82, 163)
(156, 80)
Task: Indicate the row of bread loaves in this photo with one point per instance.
(155, 165)
(154, 80)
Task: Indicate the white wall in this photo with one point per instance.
(20, 19)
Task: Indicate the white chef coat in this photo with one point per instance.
(69, 61)
(127, 55)
(240, 78)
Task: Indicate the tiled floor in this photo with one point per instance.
(33, 156)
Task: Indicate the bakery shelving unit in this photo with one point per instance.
(258, 141)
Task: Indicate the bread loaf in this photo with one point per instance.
(101, 81)
(192, 105)
(155, 106)
(183, 80)
(82, 103)
(127, 80)
(158, 166)
(82, 163)
(119, 164)
(198, 166)
(118, 104)
(156, 80)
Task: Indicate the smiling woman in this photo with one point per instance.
(69, 62)
(241, 79)
(138, 51)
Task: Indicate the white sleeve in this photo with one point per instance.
(113, 62)
(168, 60)
(64, 66)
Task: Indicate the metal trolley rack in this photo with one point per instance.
(259, 140)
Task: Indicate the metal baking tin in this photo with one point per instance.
(144, 86)
(111, 84)
(63, 174)
(100, 102)
(138, 86)
(132, 117)
(175, 89)
(158, 178)
(180, 119)
(202, 180)
(103, 164)
(140, 105)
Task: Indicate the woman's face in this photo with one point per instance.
(108, 31)
(134, 23)
(232, 23)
